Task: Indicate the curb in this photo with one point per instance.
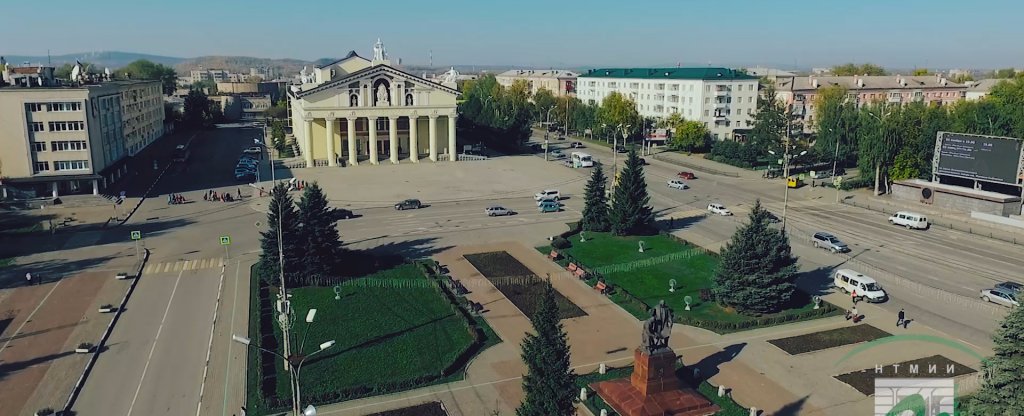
(103, 340)
(694, 167)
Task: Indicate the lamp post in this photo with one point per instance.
(835, 162)
(295, 364)
(283, 309)
(615, 153)
(785, 173)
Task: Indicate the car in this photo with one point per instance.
(911, 220)
(820, 175)
(409, 204)
(561, 137)
(677, 184)
(716, 208)
(999, 296)
(247, 163)
(772, 218)
(343, 214)
(576, 145)
(245, 176)
(567, 163)
(547, 195)
(250, 168)
(497, 210)
(557, 154)
(536, 147)
(686, 175)
(643, 162)
(245, 169)
(1012, 287)
(256, 150)
(859, 286)
(549, 206)
(620, 149)
(829, 242)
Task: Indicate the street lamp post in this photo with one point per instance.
(785, 174)
(615, 153)
(283, 310)
(835, 162)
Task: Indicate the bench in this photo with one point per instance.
(553, 255)
(580, 274)
(706, 295)
(573, 267)
(475, 307)
(604, 288)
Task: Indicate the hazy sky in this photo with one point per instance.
(784, 33)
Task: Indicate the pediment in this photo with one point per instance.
(372, 73)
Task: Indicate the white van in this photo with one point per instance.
(582, 160)
(866, 288)
(911, 220)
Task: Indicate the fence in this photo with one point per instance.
(638, 264)
(979, 230)
(694, 167)
(463, 156)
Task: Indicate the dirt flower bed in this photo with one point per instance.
(864, 380)
(518, 283)
(829, 339)
(425, 409)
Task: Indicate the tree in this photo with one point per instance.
(878, 141)
(207, 86)
(550, 382)
(282, 209)
(501, 116)
(595, 209)
(631, 210)
(618, 110)
(143, 69)
(197, 109)
(757, 271)
(543, 100)
(1004, 73)
(322, 243)
(854, 69)
(689, 136)
(278, 111)
(1003, 390)
(962, 78)
(905, 166)
(920, 72)
(835, 120)
(770, 122)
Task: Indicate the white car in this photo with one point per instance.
(496, 211)
(547, 195)
(254, 150)
(677, 184)
(557, 154)
(1000, 296)
(719, 209)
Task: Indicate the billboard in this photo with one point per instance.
(983, 158)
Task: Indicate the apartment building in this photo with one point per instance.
(559, 82)
(60, 140)
(725, 100)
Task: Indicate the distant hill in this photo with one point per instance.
(109, 59)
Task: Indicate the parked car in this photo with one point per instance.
(245, 176)
(643, 162)
(999, 296)
(549, 206)
(245, 169)
(620, 149)
(343, 214)
(677, 184)
(255, 150)
(547, 195)
(536, 147)
(497, 210)
(567, 163)
(409, 204)
(911, 220)
(1012, 287)
(716, 208)
(557, 154)
(829, 242)
(577, 145)
(248, 162)
(853, 282)
(686, 175)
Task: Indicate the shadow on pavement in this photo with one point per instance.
(48, 271)
(792, 409)
(708, 366)
(677, 224)
(33, 333)
(7, 368)
(817, 282)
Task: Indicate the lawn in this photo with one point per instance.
(4, 262)
(517, 283)
(647, 276)
(864, 380)
(828, 339)
(424, 409)
(394, 330)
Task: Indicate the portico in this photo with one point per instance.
(356, 111)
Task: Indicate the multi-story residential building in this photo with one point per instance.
(977, 90)
(558, 82)
(799, 92)
(725, 100)
(74, 139)
(218, 75)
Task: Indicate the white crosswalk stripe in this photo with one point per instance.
(182, 265)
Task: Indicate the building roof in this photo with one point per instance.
(347, 56)
(669, 73)
(885, 82)
(27, 69)
(539, 73)
(984, 85)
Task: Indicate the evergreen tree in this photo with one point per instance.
(281, 206)
(631, 210)
(550, 382)
(595, 209)
(757, 269)
(319, 229)
(1003, 391)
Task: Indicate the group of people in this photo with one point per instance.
(212, 195)
(175, 199)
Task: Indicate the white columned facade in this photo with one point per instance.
(353, 159)
(332, 156)
(452, 153)
(307, 142)
(393, 138)
(414, 145)
(432, 126)
(372, 122)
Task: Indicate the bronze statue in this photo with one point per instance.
(657, 329)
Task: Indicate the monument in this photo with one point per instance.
(653, 388)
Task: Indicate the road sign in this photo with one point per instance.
(225, 240)
(136, 235)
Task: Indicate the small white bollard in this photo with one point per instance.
(602, 369)
(753, 411)
(583, 394)
(721, 391)
(604, 412)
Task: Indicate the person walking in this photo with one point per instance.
(238, 191)
(28, 278)
(900, 318)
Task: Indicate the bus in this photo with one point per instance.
(582, 160)
(181, 153)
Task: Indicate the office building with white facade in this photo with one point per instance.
(725, 100)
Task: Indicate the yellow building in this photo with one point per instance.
(354, 110)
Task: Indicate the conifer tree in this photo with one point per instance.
(281, 206)
(319, 228)
(631, 210)
(595, 209)
(1003, 391)
(550, 382)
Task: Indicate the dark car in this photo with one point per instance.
(409, 204)
(772, 218)
(620, 149)
(643, 162)
(1012, 287)
(829, 242)
(343, 214)
(536, 147)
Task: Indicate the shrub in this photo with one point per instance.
(560, 243)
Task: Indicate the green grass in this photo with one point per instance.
(595, 403)
(5, 262)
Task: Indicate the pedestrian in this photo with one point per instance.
(262, 191)
(169, 199)
(28, 278)
(206, 197)
(854, 295)
(900, 318)
(856, 314)
(239, 191)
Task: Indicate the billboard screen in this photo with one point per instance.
(984, 158)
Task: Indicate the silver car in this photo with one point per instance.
(1000, 296)
(496, 211)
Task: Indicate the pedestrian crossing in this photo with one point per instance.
(183, 265)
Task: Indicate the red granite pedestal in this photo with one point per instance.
(653, 390)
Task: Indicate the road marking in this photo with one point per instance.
(155, 340)
(234, 306)
(29, 318)
(209, 349)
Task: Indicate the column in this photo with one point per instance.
(307, 143)
(432, 126)
(393, 138)
(451, 139)
(53, 187)
(353, 159)
(414, 145)
(95, 187)
(372, 122)
(332, 159)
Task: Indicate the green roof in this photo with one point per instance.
(669, 73)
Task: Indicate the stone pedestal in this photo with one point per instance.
(653, 389)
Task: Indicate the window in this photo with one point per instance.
(706, 113)
(64, 146)
(39, 146)
(707, 100)
(65, 107)
(750, 100)
(41, 167)
(70, 165)
(67, 125)
(36, 126)
(35, 107)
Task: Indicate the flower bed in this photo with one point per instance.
(517, 283)
(828, 339)
(864, 380)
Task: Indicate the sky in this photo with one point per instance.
(541, 33)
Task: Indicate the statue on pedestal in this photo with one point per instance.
(657, 329)
(382, 96)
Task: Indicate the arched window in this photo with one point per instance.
(408, 99)
(353, 100)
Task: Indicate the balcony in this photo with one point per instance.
(722, 91)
